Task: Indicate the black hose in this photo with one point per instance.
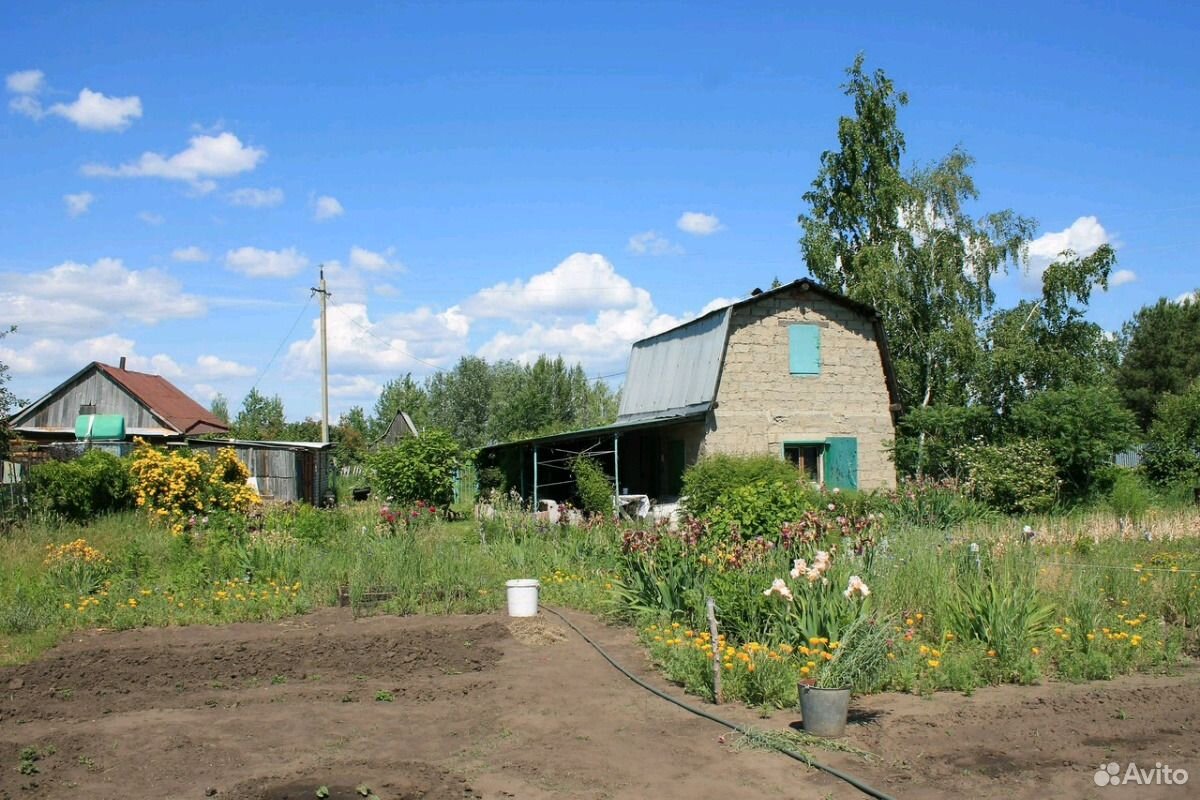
(798, 756)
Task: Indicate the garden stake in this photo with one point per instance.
(711, 607)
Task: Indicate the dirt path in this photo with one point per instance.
(473, 707)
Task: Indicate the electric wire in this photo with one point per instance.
(793, 754)
(262, 373)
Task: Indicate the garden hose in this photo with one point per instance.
(798, 756)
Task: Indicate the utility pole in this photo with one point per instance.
(324, 361)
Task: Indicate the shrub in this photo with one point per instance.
(418, 468)
(595, 490)
(1016, 477)
(96, 483)
(937, 504)
(711, 477)
(1172, 453)
(760, 508)
(175, 487)
(1129, 497)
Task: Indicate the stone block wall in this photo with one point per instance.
(761, 405)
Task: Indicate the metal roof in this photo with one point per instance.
(677, 371)
(619, 426)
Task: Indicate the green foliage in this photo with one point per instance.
(1172, 453)
(1081, 426)
(594, 487)
(861, 660)
(8, 401)
(760, 508)
(1129, 498)
(1016, 477)
(95, 483)
(1162, 355)
(942, 505)
(220, 407)
(712, 476)
(421, 468)
(930, 439)
(261, 417)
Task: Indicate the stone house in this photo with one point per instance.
(799, 372)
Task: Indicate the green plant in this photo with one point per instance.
(1129, 497)
(712, 476)
(1015, 477)
(419, 468)
(95, 483)
(861, 658)
(594, 487)
(384, 696)
(760, 508)
(1172, 453)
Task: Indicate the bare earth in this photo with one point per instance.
(486, 707)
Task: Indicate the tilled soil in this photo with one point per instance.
(486, 707)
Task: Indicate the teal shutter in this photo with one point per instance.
(841, 463)
(804, 349)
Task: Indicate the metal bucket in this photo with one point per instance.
(824, 711)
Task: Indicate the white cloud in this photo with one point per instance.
(326, 207)
(150, 218)
(78, 204)
(94, 111)
(1122, 277)
(581, 283)
(715, 303)
(91, 298)
(256, 198)
(374, 262)
(1188, 297)
(397, 343)
(385, 290)
(205, 158)
(192, 254)
(653, 244)
(48, 356)
(1084, 236)
(353, 387)
(204, 392)
(29, 81)
(27, 105)
(698, 224)
(256, 263)
(214, 368)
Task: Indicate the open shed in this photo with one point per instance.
(281, 471)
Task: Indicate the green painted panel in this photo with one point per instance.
(804, 349)
(841, 463)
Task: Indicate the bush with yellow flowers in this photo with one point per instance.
(175, 486)
(76, 566)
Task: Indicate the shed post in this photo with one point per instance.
(535, 471)
(616, 477)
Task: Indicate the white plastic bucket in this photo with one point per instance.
(522, 597)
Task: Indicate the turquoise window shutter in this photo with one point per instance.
(841, 463)
(804, 349)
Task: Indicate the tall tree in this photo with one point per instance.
(401, 394)
(459, 401)
(261, 417)
(1162, 354)
(905, 244)
(220, 407)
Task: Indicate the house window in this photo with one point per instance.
(804, 349)
(806, 458)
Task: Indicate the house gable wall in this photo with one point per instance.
(761, 404)
(93, 387)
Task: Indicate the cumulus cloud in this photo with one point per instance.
(95, 111)
(50, 356)
(698, 224)
(78, 204)
(651, 243)
(1122, 277)
(190, 254)
(90, 298)
(204, 159)
(1084, 236)
(326, 207)
(256, 263)
(401, 342)
(1188, 297)
(581, 283)
(256, 198)
(29, 81)
(372, 261)
(215, 368)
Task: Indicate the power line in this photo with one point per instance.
(282, 342)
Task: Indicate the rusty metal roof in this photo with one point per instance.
(166, 401)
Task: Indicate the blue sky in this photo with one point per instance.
(507, 179)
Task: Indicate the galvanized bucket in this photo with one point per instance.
(824, 711)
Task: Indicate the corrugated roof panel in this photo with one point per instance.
(675, 370)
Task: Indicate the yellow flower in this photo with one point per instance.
(933, 663)
(891, 655)
(949, 637)
(908, 621)
(132, 603)
(1035, 650)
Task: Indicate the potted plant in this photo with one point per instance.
(857, 663)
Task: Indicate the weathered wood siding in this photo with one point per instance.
(98, 389)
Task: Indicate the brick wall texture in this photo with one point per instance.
(760, 405)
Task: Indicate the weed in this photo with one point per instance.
(384, 696)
